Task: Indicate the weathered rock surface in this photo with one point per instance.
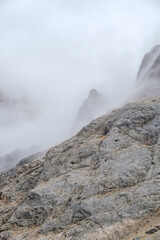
(104, 183)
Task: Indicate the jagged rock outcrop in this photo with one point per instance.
(103, 183)
(148, 78)
(94, 106)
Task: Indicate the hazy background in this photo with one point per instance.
(53, 52)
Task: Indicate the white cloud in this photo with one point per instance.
(55, 51)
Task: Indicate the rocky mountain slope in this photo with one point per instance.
(104, 183)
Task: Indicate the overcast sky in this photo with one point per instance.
(55, 51)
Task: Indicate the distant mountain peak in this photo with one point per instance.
(148, 77)
(93, 106)
(150, 66)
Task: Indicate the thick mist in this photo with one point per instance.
(53, 52)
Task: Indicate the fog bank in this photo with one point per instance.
(53, 52)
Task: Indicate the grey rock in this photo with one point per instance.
(4, 236)
(138, 238)
(97, 185)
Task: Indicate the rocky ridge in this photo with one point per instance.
(148, 77)
(149, 68)
(104, 183)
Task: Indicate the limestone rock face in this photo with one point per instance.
(92, 107)
(103, 183)
(148, 78)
